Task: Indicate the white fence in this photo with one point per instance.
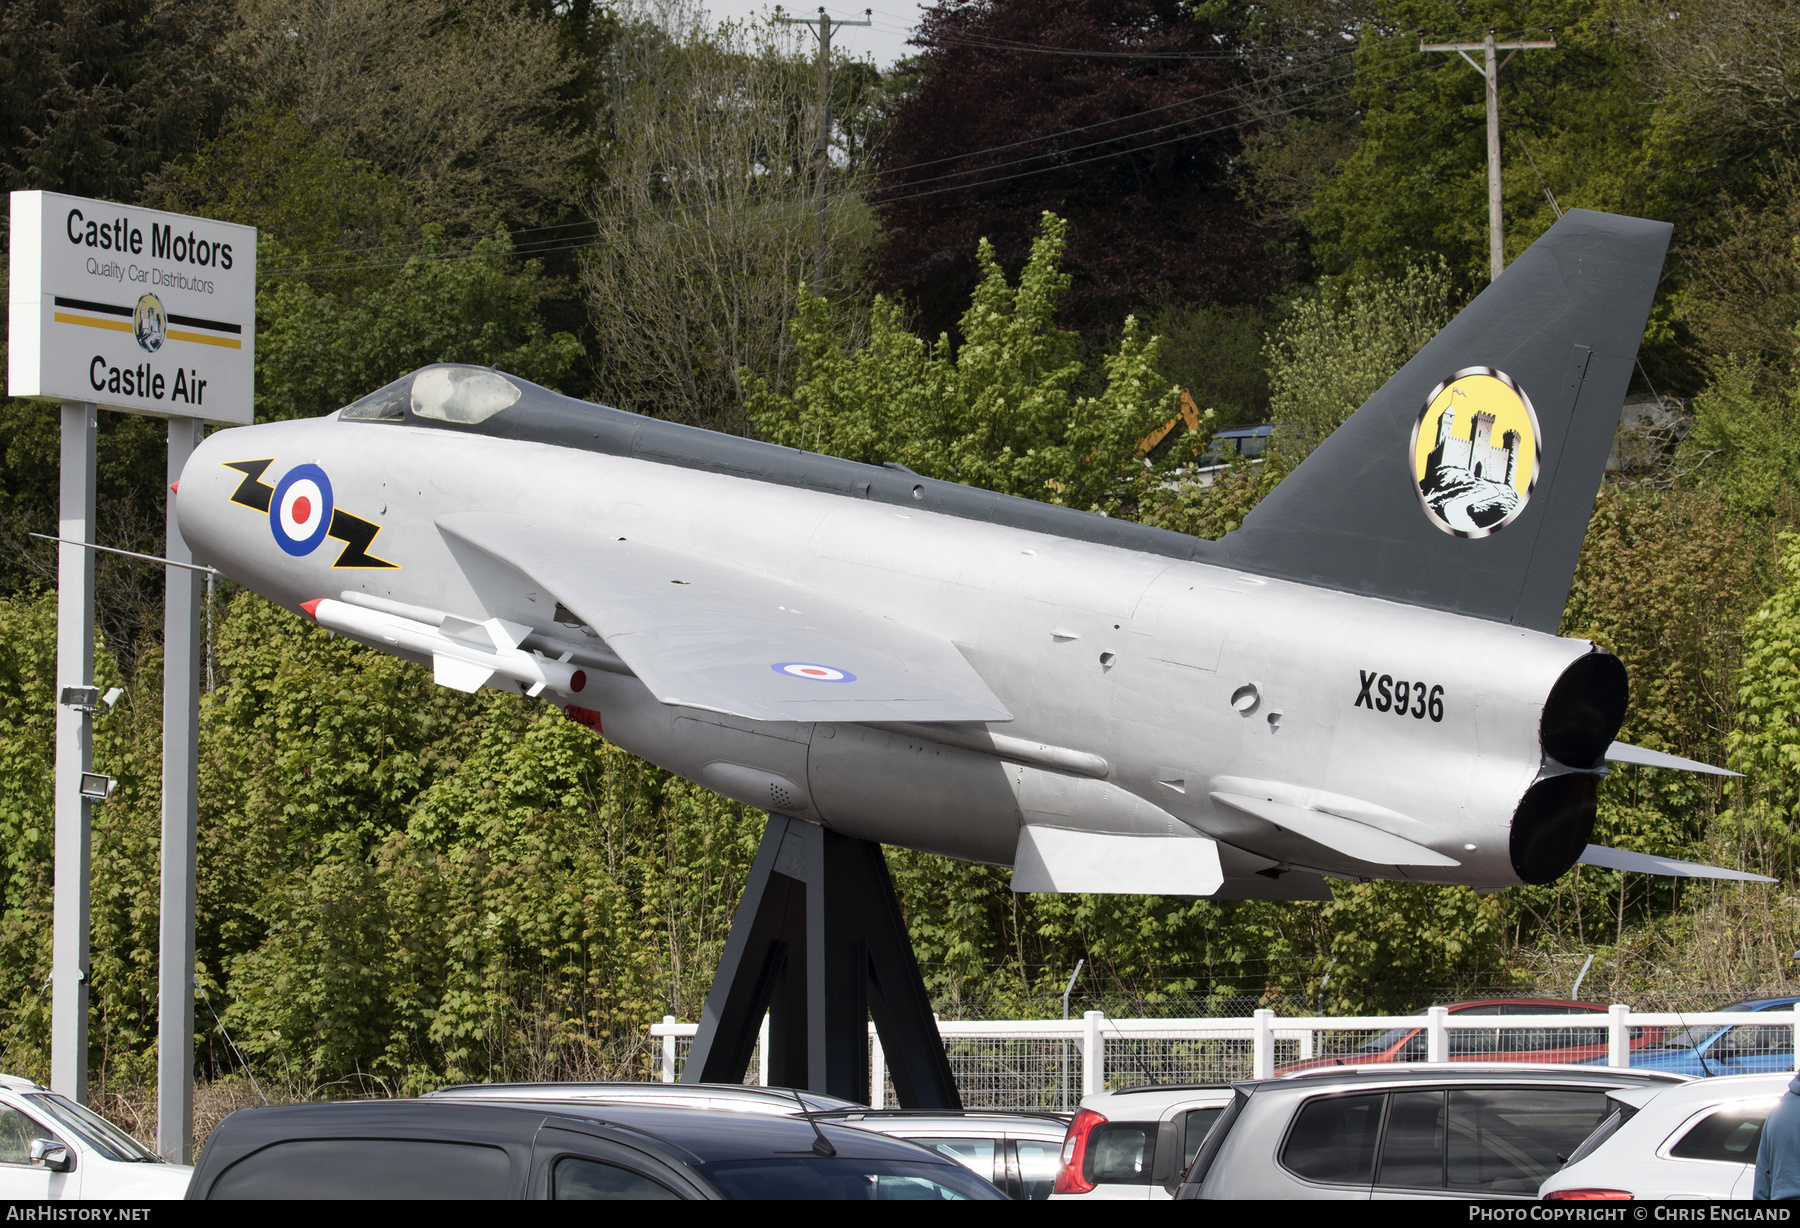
(1051, 1063)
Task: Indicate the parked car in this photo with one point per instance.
(1135, 1143)
(53, 1149)
(1420, 1130)
(1551, 1045)
(1019, 1152)
(738, 1097)
(1709, 1050)
(441, 1148)
(1697, 1140)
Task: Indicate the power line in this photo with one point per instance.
(417, 245)
(796, 207)
(542, 248)
(1103, 141)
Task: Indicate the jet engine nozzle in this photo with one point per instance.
(1584, 711)
(1555, 818)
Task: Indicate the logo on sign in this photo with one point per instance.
(1476, 452)
(149, 323)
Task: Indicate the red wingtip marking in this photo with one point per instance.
(312, 608)
(175, 487)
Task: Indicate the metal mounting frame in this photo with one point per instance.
(819, 943)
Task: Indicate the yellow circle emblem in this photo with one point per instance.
(1476, 452)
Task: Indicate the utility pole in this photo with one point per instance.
(1496, 238)
(822, 25)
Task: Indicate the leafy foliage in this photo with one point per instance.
(1745, 441)
(1334, 350)
(318, 352)
(996, 411)
(95, 94)
(1009, 120)
(710, 218)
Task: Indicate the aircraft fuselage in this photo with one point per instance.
(1143, 690)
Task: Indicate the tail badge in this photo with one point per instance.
(1476, 452)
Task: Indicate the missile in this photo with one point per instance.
(464, 653)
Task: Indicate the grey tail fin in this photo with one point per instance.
(1466, 483)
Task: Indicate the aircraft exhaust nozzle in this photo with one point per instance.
(1555, 819)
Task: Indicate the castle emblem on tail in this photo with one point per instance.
(1476, 451)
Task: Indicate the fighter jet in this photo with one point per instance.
(1363, 681)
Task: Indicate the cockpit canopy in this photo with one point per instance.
(464, 395)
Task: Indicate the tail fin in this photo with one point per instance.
(1467, 481)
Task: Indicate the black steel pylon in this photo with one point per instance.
(819, 943)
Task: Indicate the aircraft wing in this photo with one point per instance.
(703, 634)
(1650, 863)
(1618, 752)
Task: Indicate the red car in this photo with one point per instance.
(1570, 1044)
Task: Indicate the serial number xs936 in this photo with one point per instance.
(1385, 693)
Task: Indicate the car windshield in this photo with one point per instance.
(1700, 1033)
(840, 1178)
(1387, 1040)
(93, 1129)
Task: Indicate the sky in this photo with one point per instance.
(885, 40)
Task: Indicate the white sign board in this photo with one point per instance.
(133, 309)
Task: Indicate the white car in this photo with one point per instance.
(53, 1149)
(1697, 1140)
(1137, 1142)
(1019, 1152)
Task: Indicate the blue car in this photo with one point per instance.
(1740, 1049)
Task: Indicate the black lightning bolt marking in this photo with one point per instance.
(356, 533)
(250, 492)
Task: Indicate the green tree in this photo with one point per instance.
(1335, 349)
(1745, 441)
(96, 94)
(317, 352)
(269, 170)
(707, 221)
(997, 412)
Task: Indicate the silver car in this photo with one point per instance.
(1442, 1130)
(1019, 1152)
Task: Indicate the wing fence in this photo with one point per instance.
(1052, 1063)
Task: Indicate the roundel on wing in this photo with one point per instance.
(1476, 452)
(300, 512)
(812, 671)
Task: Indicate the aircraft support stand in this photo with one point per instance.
(74, 754)
(180, 819)
(819, 943)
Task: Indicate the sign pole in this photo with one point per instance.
(141, 312)
(180, 819)
(74, 754)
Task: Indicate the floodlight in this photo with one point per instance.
(81, 698)
(96, 786)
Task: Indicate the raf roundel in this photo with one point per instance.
(1476, 452)
(812, 671)
(300, 512)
